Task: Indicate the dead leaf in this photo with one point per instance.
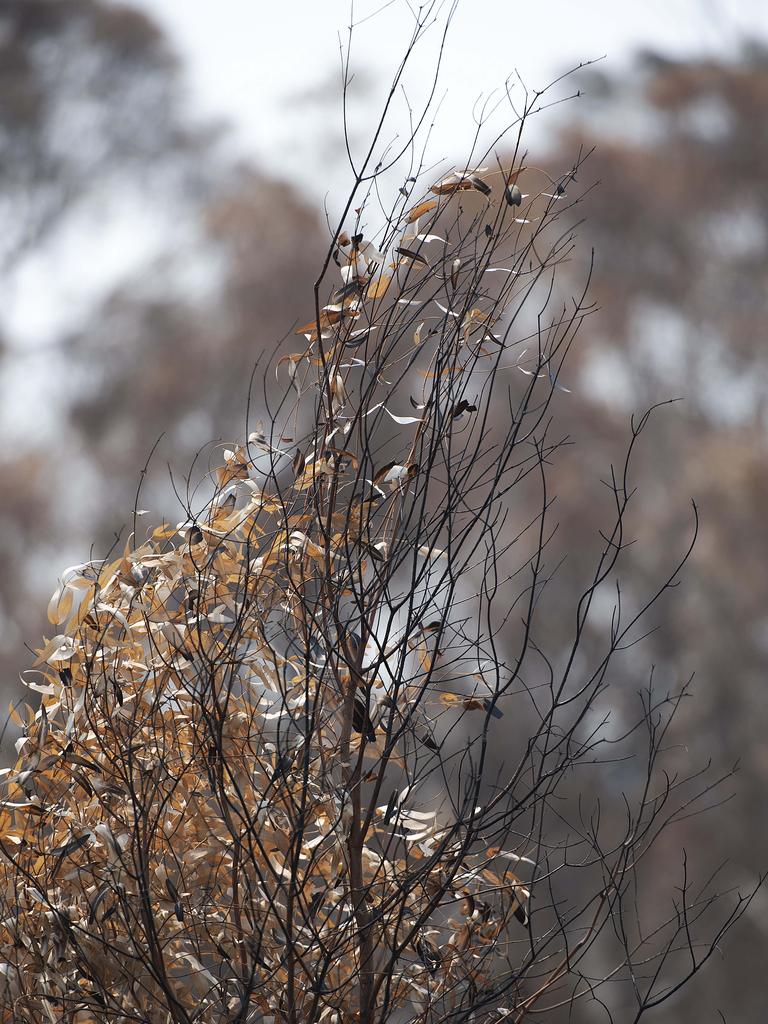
(421, 209)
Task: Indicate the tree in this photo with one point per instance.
(308, 755)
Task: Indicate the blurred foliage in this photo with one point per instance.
(86, 90)
(91, 110)
(679, 227)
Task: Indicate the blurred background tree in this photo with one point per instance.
(206, 257)
(679, 227)
(200, 262)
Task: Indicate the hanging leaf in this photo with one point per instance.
(480, 185)
(353, 289)
(389, 472)
(59, 649)
(71, 846)
(293, 360)
(462, 407)
(412, 255)
(429, 955)
(330, 316)
(402, 420)
(492, 709)
(513, 195)
(378, 287)
(455, 273)
(357, 338)
(97, 901)
(451, 185)
(421, 209)
(361, 721)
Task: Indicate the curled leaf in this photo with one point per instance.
(451, 185)
(455, 273)
(513, 195)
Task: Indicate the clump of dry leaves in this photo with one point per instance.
(253, 785)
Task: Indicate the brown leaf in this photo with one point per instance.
(514, 175)
(412, 255)
(451, 185)
(420, 210)
(329, 316)
(377, 289)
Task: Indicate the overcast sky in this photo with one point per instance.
(259, 65)
(271, 70)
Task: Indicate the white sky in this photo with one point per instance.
(245, 59)
(261, 65)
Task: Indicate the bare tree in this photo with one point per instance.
(307, 756)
